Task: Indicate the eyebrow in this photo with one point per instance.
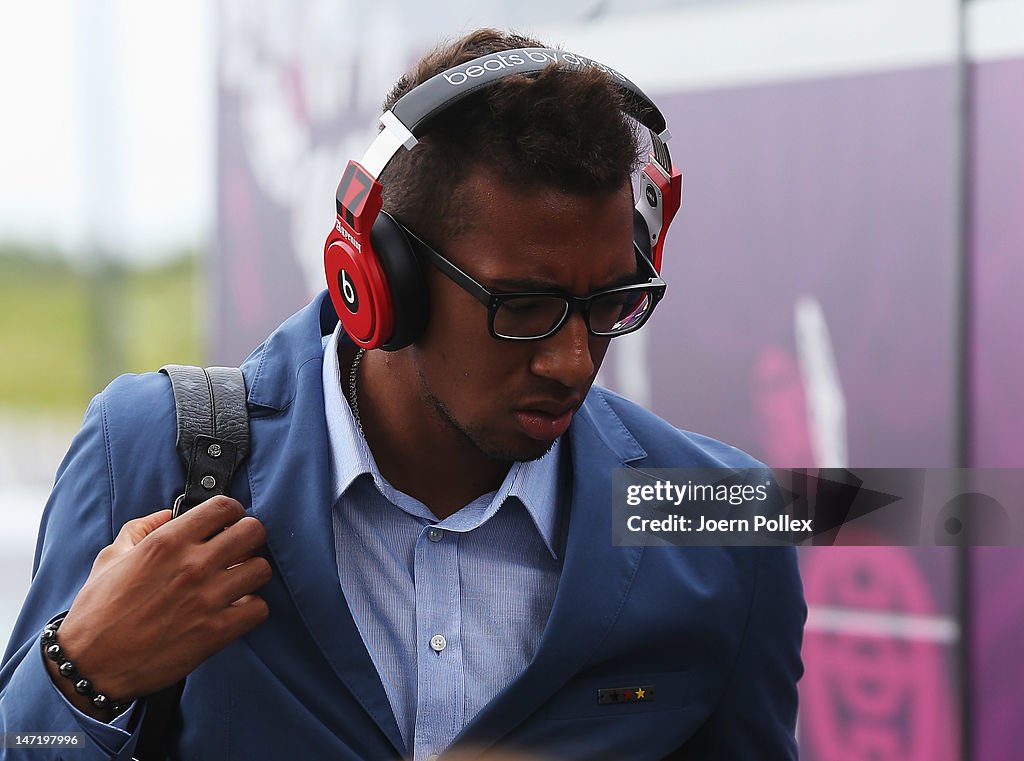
(534, 285)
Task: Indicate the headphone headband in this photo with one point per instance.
(417, 107)
(412, 114)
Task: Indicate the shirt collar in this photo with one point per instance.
(537, 484)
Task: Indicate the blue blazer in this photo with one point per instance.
(715, 631)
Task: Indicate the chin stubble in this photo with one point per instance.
(500, 455)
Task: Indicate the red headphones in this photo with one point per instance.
(373, 275)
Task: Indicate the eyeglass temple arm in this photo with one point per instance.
(655, 276)
(475, 289)
(462, 279)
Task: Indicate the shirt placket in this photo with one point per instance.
(440, 674)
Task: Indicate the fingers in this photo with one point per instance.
(231, 551)
(246, 613)
(135, 531)
(180, 549)
(237, 542)
(207, 519)
(242, 579)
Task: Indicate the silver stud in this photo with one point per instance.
(208, 482)
(213, 450)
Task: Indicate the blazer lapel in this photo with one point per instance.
(289, 478)
(595, 578)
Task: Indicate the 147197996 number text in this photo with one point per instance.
(41, 740)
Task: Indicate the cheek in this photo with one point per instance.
(455, 316)
(598, 350)
(459, 355)
(449, 331)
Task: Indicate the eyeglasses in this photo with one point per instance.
(532, 316)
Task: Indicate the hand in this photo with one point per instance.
(164, 597)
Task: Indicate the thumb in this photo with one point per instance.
(135, 531)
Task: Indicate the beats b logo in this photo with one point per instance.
(348, 292)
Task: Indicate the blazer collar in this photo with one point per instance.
(272, 370)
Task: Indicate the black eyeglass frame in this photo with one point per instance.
(493, 300)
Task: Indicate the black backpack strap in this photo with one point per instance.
(213, 440)
(213, 429)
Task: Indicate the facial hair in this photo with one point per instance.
(478, 438)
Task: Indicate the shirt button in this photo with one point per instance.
(433, 757)
(435, 534)
(438, 643)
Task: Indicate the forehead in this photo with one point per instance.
(545, 234)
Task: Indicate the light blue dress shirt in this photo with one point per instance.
(450, 611)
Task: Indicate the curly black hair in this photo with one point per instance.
(559, 129)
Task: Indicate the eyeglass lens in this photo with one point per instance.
(534, 316)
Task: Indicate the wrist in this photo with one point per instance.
(75, 686)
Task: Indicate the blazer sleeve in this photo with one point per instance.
(76, 525)
(756, 718)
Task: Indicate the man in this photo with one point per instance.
(419, 558)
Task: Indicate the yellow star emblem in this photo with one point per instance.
(640, 694)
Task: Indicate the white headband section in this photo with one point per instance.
(392, 122)
(395, 135)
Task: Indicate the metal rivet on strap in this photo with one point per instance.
(208, 482)
(213, 450)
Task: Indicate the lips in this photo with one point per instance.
(545, 421)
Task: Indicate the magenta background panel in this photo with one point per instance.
(997, 400)
(841, 190)
(997, 260)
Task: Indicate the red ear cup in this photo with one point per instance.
(357, 283)
(375, 279)
(358, 288)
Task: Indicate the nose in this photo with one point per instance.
(566, 357)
